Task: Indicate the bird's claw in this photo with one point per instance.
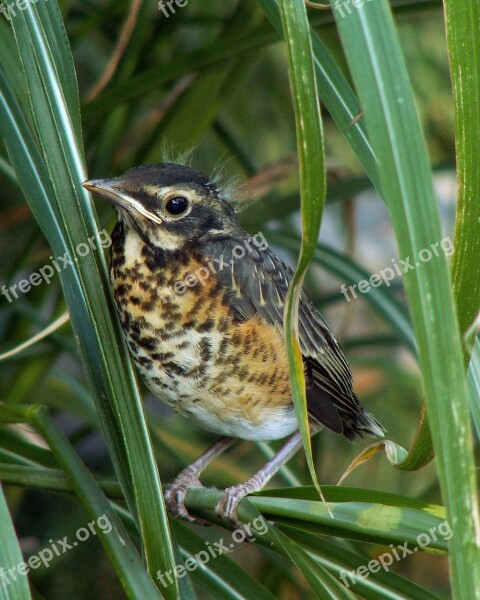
(175, 497)
(226, 507)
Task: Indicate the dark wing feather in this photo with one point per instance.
(259, 282)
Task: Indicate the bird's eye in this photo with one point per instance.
(177, 206)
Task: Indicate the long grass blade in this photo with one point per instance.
(313, 191)
(65, 214)
(463, 30)
(375, 58)
(121, 551)
(13, 586)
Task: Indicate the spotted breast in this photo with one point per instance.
(192, 348)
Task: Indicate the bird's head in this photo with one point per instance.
(167, 204)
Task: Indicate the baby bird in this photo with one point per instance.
(201, 304)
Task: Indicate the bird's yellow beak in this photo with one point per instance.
(111, 190)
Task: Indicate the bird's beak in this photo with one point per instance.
(111, 190)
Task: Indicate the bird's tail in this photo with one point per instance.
(371, 425)
(361, 422)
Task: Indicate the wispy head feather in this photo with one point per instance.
(227, 186)
(235, 192)
(170, 153)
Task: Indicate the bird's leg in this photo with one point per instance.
(175, 493)
(226, 507)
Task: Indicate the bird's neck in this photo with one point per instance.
(130, 247)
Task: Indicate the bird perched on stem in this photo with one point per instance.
(201, 304)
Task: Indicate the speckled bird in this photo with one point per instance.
(201, 304)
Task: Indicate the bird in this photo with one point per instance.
(201, 305)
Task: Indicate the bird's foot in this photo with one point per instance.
(175, 496)
(226, 507)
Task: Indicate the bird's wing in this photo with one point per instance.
(259, 282)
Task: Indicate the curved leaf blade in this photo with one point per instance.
(375, 58)
(12, 587)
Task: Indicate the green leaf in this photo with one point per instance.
(377, 585)
(462, 19)
(121, 551)
(472, 343)
(473, 375)
(362, 521)
(336, 493)
(317, 577)
(364, 515)
(12, 587)
(395, 454)
(64, 212)
(313, 190)
(336, 94)
(345, 108)
(375, 58)
(320, 580)
(51, 479)
(217, 574)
